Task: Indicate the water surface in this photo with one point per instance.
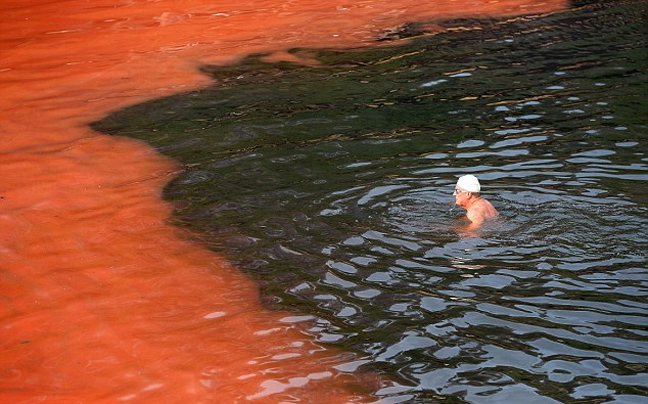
(103, 300)
(332, 185)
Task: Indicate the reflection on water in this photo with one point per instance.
(103, 299)
(332, 187)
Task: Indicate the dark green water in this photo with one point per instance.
(332, 187)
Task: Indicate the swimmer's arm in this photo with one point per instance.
(476, 217)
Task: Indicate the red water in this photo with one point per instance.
(101, 299)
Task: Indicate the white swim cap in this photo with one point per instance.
(469, 182)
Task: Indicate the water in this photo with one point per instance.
(103, 298)
(332, 187)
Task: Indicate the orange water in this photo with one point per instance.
(101, 299)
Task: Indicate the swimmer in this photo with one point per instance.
(467, 196)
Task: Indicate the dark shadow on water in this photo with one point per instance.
(332, 187)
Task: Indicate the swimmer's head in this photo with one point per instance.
(468, 183)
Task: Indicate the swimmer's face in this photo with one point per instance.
(461, 196)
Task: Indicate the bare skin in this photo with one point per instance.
(477, 208)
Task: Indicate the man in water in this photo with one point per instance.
(467, 196)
